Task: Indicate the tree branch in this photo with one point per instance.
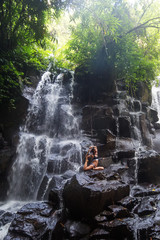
(144, 25)
(145, 10)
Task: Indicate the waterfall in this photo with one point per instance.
(49, 141)
(156, 99)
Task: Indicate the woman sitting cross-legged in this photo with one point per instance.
(92, 156)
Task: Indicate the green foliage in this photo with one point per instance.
(133, 64)
(24, 37)
(13, 68)
(127, 33)
(24, 21)
(10, 79)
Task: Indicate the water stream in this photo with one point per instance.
(156, 98)
(50, 136)
(49, 143)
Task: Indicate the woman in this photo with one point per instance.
(92, 155)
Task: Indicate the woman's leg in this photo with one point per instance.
(98, 168)
(88, 167)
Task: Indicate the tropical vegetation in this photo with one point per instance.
(125, 33)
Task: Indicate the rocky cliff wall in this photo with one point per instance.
(10, 121)
(119, 202)
(114, 120)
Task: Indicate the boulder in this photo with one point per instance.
(104, 216)
(5, 218)
(105, 162)
(119, 229)
(146, 190)
(149, 168)
(86, 197)
(129, 202)
(76, 230)
(99, 234)
(34, 221)
(54, 198)
(119, 211)
(145, 207)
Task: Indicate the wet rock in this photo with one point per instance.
(145, 207)
(99, 218)
(99, 234)
(54, 198)
(152, 114)
(143, 92)
(105, 162)
(34, 221)
(110, 140)
(144, 130)
(157, 218)
(119, 211)
(122, 95)
(50, 167)
(118, 229)
(125, 154)
(136, 105)
(145, 190)
(144, 227)
(154, 233)
(105, 215)
(128, 202)
(2, 142)
(5, 218)
(76, 230)
(68, 174)
(121, 85)
(5, 159)
(124, 127)
(105, 123)
(157, 125)
(86, 196)
(149, 168)
(125, 145)
(42, 188)
(115, 169)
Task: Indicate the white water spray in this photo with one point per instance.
(50, 136)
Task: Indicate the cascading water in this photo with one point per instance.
(156, 99)
(49, 141)
(135, 109)
(50, 144)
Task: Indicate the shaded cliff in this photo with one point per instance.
(119, 202)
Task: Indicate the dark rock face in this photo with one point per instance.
(145, 207)
(87, 195)
(152, 114)
(116, 118)
(11, 120)
(149, 168)
(99, 204)
(34, 221)
(6, 217)
(124, 127)
(6, 159)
